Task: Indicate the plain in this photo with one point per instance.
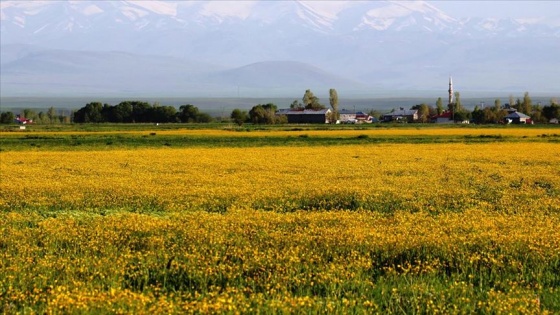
(280, 220)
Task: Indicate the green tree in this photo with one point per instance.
(493, 115)
(188, 113)
(51, 114)
(424, 112)
(461, 116)
(296, 105)
(333, 100)
(484, 116)
(310, 101)
(42, 118)
(141, 111)
(120, 113)
(439, 106)
(91, 113)
(204, 118)
(239, 116)
(497, 104)
(517, 104)
(163, 114)
(263, 114)
(551, 111)
(257, 114)
(459, 112)
(526, 106)
(30, 114)
(499, 115)
(537, 114)
(7, 117)
(478, 115)
(281, 119)
(458, 104)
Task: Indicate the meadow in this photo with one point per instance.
(390, 220)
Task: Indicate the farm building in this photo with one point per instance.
(517, 118)
(362, 117)
(22, 120)
(443, 118)
(401, 115)
(346, 115)
(306, 116)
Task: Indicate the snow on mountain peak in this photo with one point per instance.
(91, 10)
(328, 9)
(28, 18)
(398, 14)
(158, 7)
(228, 9)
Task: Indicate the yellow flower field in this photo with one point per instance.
(413, 176)
(449, 228)
(250, 260)
(382, 131)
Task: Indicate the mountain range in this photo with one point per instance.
(242, 48)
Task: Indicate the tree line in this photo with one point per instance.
(143, 112)
(51, 116)
(124, 112)
(139, 112)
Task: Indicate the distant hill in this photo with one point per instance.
(61, 72)
(56, 72)
(284, 76)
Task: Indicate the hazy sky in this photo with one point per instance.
(499, 9)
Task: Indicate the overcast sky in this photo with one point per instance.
(500, 9)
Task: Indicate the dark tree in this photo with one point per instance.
(479, 115)
(462, 115)
(163, 114)
(91, 113)
(141, 111)
(121, 113)
(263, 114)
(204, 118)
(296, 105)
(552, 111)
(7, 118)
(239, 116)
(188, 113)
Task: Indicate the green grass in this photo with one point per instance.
(24, 140)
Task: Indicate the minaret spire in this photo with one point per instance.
(450, 90)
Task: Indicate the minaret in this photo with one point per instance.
(450, 91)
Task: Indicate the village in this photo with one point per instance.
(518, 112)
(401, 115)
(311, 111)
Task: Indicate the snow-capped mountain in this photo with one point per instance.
(37, 18)
(387, 44)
